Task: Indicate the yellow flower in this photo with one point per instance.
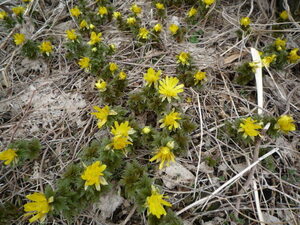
(157, 28)
(95, 38)
(75, 11)
(168, 88)
(39, 206)
(136, 9)
(173, 29)
(113, 67)
(92, 26)
(122, 75)
(284, 15)
(131, 20)
(19, 38)
(93, 175)
(245, 21)
(143, 33)
(250, 128)
(253, 65)
(208, 2)
(19, 10)
(102, 11)
(113, 47)
(155, 203)
(159, 6)
(146, 130)
(293, 57)
(192, 12)
(71, 34)
(122, 129)
(183, 58)
(46, 47)
(8, 155)
(164, 155)
(285, 123)
(152, 77)
(280, 44)
(102, 114)
(101, 85)
(267, 60)
(3, 15)
(170, 120)
(199, 76)
(26, 1)
(117, 15)
(84, 63)
(83, 25)
(119, 142)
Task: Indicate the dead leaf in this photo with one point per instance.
(176, 174)
(108, 203)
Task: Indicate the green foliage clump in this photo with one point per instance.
(137, 184)
(26, 149)
(30, 49)
(245, 74)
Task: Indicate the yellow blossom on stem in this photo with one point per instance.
(253, 65)
(101, 85)
(102, 10)
(19, 10)
(102, 114)
(143, 33)
(157, 28)
(83, 25)
(208, 2)
(160, 6)
(146, 130)
(183, 58)
(71, 34)
(280, 44)
(169, 89)
(19, 38)
(173, 29)
(164, 155)
(84, 63)
(267, 60)
(199, 76)
(40, 206)
(293, 57)
(95, 38)
(245, 21)
(93, 175)
(136, 9)
(113, 67)
(250, 128)
(8, 156)
(119, 142)
(117, 15)
(131, 20)
(284, 15)
(26, 1)
(192, 12)
(155, 203)
(285, 123)
(152, 77)
(75, 11)
(3, 15)
(170, 120)
(122, 129)
(122, 75)
(46, 47)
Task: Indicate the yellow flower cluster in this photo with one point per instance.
(250, 128)
(152, 77)
(121, 134)
(9, 156)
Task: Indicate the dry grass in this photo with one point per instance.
(51, 100)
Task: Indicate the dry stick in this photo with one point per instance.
(228, 183)
(129, 215)
(201, 141)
